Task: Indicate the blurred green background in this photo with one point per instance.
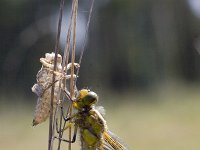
(142, 58)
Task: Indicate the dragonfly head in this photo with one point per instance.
(85, 99)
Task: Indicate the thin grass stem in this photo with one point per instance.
(50, 142)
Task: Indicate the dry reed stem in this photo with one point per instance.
(61, 84)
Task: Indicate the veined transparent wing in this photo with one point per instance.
(112, 142)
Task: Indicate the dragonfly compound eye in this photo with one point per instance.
(85, 99)
(91, 98)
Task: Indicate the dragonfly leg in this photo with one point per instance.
(57, 129)
(65, 118)
(74, 136)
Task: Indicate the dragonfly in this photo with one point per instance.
(93, 130)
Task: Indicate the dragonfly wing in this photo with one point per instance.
(107, 146)
(101, 110)
(112, 142)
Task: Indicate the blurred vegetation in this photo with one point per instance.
(172, 123)
(141, 55)
(132, 44)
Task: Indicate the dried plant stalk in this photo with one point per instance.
(51, 80)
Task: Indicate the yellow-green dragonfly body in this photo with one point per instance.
(94, 134)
